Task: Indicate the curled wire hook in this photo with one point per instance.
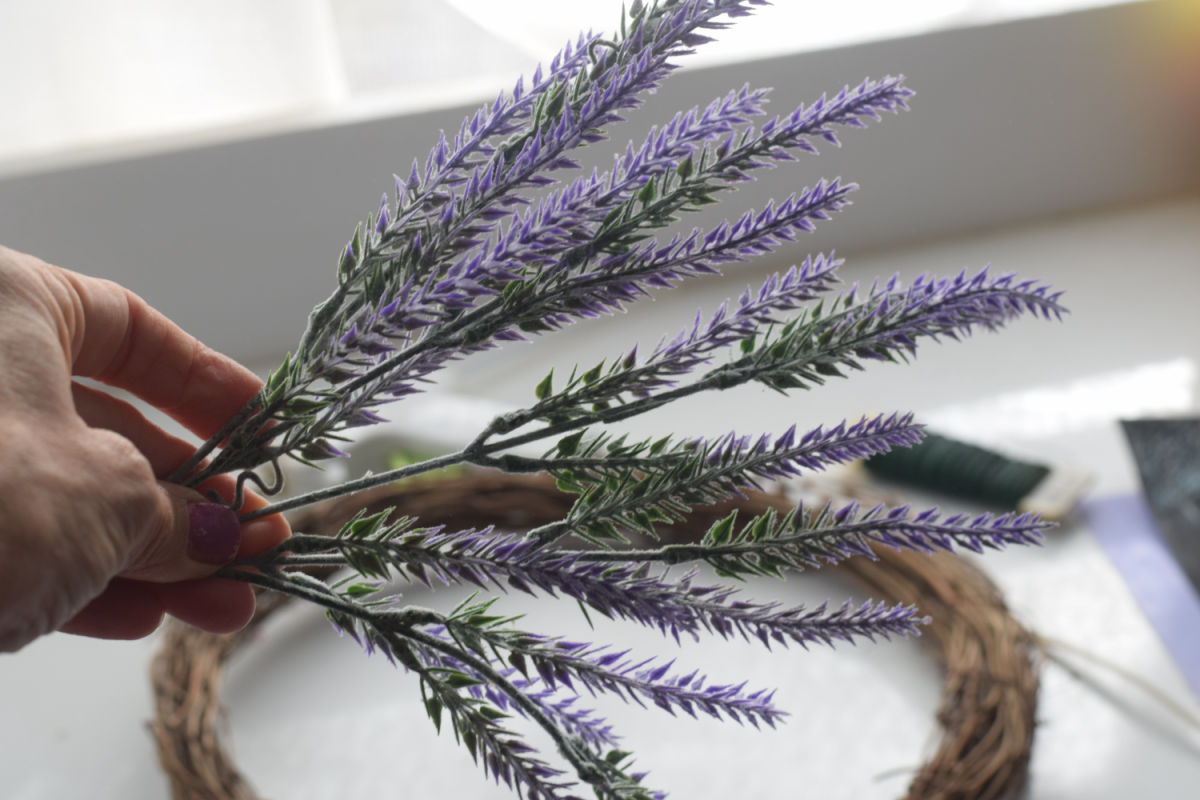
(268, 489)
(611, 45)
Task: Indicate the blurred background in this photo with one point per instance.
(215, 157)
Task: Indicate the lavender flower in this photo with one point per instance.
(570, 217)
(618, 281)
(679, 356)
(622, 489)
(479, 246)
(602, 669)
(553, 301)
(477, 723)
(676, 606)
(564, 710)
(558, 220)
(812, 538)
(886, 326)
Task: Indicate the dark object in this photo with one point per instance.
(960, 469)
(1167, 453)
(942, 464)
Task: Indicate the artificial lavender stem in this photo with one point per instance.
(404, 623)
(808, 539)
(184, 470)
(707, 471)
(603, 669)
(281, 584)
(350, 487)
(675, 606)
(907, 320)
(687, 351)
(584, 768)
(305, 561)
(478, 450)
(619, 86)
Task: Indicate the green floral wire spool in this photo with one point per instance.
(960, 469)
(989, 660)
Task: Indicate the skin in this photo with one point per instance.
(91, 542)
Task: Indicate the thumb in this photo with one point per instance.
(190, 541)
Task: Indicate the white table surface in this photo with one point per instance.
(311, 717)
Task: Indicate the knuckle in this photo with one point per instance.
(120, 458)
(136, 502)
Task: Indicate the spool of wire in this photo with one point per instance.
(945, 465)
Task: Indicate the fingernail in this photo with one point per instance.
(213, 533)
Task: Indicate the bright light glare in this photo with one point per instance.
(1161, 388)
(788, 26)
(540, 26)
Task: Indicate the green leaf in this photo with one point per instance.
(546, 387)
(569, 445)
(469, 740)
(685, 168)
(511, 289)
(583, 610)
(304, 405)
(459, 680)
(658, 446)
(433, 707)
(612, 218)
(534, 326)
(492, 714)
(646, 194)
(721, 531)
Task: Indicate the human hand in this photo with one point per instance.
(90, 541)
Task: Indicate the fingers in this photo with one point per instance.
(169, 575)
(125, 610)
(101, 410)
(86, 505)
(198, 538)
(214, 604)
(117, 338)
(168, 557)
(130, 609)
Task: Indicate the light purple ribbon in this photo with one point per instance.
(1126, 530)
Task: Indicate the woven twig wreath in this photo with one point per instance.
(988, 700)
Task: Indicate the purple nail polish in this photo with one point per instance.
(213, 533)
